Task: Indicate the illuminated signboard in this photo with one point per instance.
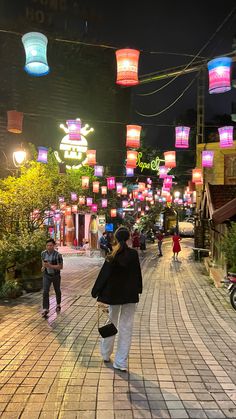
(152, 165)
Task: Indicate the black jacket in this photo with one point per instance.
(119, 281)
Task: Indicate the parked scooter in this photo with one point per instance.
(230, 281)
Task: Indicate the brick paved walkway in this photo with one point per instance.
(181, 362)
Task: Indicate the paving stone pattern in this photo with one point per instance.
(182, 360)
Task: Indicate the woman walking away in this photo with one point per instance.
(119, 284)
(176, 245)
(135, 239)
(142, 242)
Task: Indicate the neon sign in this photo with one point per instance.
(152, 165)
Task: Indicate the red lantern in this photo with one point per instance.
(131, 158)
(113, 212)
(85, 182)
(170, 159)
(91, 157)
(133, 136)
(14, 121)
(141, 186)
(104, 190)
(127, 66)
(95, 187)
(197, 176)
(111, 183)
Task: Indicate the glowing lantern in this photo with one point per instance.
(124, 190)
(14, 121)
(85, 182)
(104, 190)
(167, 182)
(163, 170)
(119, 187)
(42, 155)
(91, 157)
(104, 203)
(129, 171)
(141, 186)
(113, 212)
(111, 183)
(181, 137)
(35, 45)
(81, 200)
(124, 204)
(140, 197)
(127, 66)
(89, 201)
(73, 196)
(219, 75)
(95, 187)
(74, 127)
(133, 136)
(19, 157)
(68, 210)
(170, 159)
(98, 171)
(226, 137)
(131, 158)
(135, 194)
(197, 176)
(149, 181)
(207, 158)
(74, 209)
(94, 208)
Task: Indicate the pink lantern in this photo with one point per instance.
(133, 136)
(42, 155)
(94, 208)
(73, 196)
(113, 212)
(207, 158)
(103, 190)
(131, 158)
(219, 75)
(226, 136)
(124, 190)
(61, 199)
(170, 161)
(197, 176)
(181, 137)
(74, 209)
(111, 183)
(85, 182)
(141, 186)
(124, 204)
(89, 201)
(163, 170)
(91, 157)
(119, 187)
(140, 197)
(167, 182)
(127, 66)
(95, 187)
(98, 171)
(149, 180)
(81, 200)
(74, 127)
(14, 121)
(129, 171)
(104, 203)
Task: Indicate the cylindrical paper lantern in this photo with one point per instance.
(219, 75)
(95, 187)
(89, 201)
(226, 136)
(124, 204)
(14, 121)
(74, 127)
(98, 171)
(131, 158)
(129, 171)
(119, 187)
(133, 136)
(181, 137)
(81, 200)
(94, 208)
(197, 176)
(104, 203)
(111, 183)
(167, 182)
(124, 190)
(127, 66)
(42, 155)
(113, 212)
(74, 209)
(163, 170)
(170, 159)
(207, 158)
(35, 45)
(149, 180)
(103, 190)
(91, 157)
(141, 186)
(85, 182)
(73, 196)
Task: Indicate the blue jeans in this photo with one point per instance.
(47, 281)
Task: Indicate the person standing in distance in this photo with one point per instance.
(160, 238)
(52, 263)
(119, 284)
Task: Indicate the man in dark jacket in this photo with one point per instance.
(119, 284)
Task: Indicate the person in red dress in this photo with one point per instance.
(176, 245)
(135, 239)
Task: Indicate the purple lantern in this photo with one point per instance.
(89, 202)
(74, 127)
(42, 155)
(104, 203)
(111, 183)
(73, 196)
(226, 136)
(98, 171)
(181, 137)
(163, 170)
(119, 187)
(94, 208)
(219, 75)
(129, 171)
(207, 158)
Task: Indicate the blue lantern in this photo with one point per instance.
(42, 155)
(35, 45)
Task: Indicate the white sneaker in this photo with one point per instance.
(119, 368)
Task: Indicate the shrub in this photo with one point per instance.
(229, 248)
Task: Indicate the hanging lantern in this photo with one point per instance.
(85, 182)
(163, 170)
(167, 182)
(104, 203)
(207, 158)
(35, 45)
(95, 187)
(149, 181)
(74, 127)
(94, 208)
(127, 66)
(219, 75)
(98, 171)
(197, 176)
(226, 137)
(81, 200)
(141, 186)
(42, 155)
(74, 209)
(19, 157)
(124, 204)
(170, 159)
(91, 157)
(124, 190)
(131, 158)
(103, 190)
(135, 194)
(140, 197)
(181, 137)
(111, 183)
(119, 187)
(89, 201)
(14, 121)
(129, 171)
(113, 212)
(68, 211)
(73, 196)
(133, 136)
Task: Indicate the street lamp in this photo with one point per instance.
(19, 157)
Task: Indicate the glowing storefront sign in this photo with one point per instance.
(152, 165)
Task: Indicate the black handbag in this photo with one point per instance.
(108, 329)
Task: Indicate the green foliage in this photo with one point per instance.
(10, 289)
(229, 248)
(148, 221)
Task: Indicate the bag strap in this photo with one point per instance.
(104, 310)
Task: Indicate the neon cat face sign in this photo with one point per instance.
(73, 145)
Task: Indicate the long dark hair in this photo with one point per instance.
(119, 242)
